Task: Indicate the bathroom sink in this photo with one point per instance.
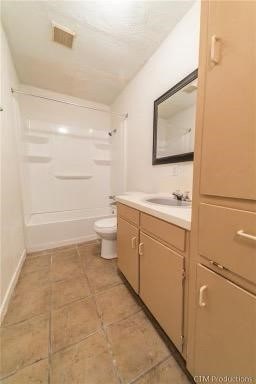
(169, 201)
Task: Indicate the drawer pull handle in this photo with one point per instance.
(134, 242)
(141, 249)
(202, 290)
(214, 58)
(246, 235)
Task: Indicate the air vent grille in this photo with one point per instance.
(63, 35)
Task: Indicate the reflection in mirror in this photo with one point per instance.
(174, 122)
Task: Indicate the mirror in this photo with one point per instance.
(174, 122)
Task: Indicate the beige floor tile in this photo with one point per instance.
(37, 279)
(35, 263)
(66, 265)
(27, 302)
(116, 303)
(64, 292)
(136, 346)
(23, 344)
(88, 252)
(73, 323)
(88, 362)
(33, 374)
(167, 372)
(102, 274)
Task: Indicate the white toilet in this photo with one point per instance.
(106, 229)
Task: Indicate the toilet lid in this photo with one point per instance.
(110, 222)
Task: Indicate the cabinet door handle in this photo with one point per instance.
(246, 235)
(202, 290)
(141, 249)
(134, 242)
(214, 56)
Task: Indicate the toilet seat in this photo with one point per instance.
(107, 225)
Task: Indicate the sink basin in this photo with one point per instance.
(169, 201)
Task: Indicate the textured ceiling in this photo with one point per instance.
(113, 40)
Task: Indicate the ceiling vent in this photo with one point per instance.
(63, 35)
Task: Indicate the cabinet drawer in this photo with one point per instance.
(219, 241)
(167, 232)
(128, 213)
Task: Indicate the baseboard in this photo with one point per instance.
(9, 292)
(56, 244)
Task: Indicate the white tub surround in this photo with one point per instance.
(180, 216)
(55, 229)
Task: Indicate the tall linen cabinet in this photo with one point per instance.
(222, 283)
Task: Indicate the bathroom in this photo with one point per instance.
(128, 188)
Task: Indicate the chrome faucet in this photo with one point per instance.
(180, 196)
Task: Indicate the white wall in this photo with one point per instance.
(69, 140)
(176, 58)
(12, 235)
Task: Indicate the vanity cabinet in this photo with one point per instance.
(161, 285)
(152, 257)
(225, 333)
(127, 250)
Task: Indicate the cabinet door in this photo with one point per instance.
(161, 286)
(225, 342)
(228, 163)
(127, 252)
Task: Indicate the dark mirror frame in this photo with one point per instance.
(189, 156)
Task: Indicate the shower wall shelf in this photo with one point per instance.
(102, 145)
(36, 139)
(72, 176)
(38, 158)
(102, 162)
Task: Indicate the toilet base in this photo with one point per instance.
(108, 249)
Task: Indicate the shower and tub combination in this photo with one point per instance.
(72, 162)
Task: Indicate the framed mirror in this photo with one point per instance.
(174, 122)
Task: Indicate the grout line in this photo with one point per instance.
(122, 318)
(72, 302)
(110, 350)
(99, 293)
(148, 370)
(20, 369)
(109, 347)
(75, 343)
(24, 320)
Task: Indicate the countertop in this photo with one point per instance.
(180, 216)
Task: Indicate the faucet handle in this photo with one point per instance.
(112, 197)
(178, 194)
(186, 196)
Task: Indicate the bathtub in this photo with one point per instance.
(55, 229)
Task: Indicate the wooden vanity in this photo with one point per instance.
(153, 257)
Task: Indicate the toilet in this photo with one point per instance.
(106, 229)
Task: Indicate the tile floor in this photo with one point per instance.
(71, 320)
